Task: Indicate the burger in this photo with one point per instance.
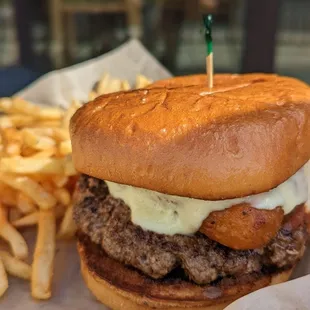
(191, 197)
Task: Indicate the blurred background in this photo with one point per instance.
(37, 36)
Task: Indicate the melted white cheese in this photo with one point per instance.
(168, 214)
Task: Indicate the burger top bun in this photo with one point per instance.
(246, 135)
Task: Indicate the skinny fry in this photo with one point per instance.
(60, 180)
(25, 204)
(7, 195)
(142, 81)
(125, 85)
(45, 154)
(4, 283)
(28, 220)
(63, 196)
(69, 167)
(44, 124)
(69, 113)
(12, 236)
(30, 165)
(92, 95)
(22, 106)
(59, 134)
(5, 104)
(33, 218)
(16, 120)
(31, 188)
(15, 267)
(67, 227)
(12, 140)
(43, 261)
(65, 148)
(37, 142)
(102, 85)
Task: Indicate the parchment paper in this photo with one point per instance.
(69, 291)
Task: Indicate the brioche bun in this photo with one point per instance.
(246, 136)
(221, 81)
(120, 287)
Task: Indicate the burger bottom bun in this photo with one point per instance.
(121, 287)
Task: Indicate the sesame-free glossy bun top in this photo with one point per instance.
(245, 136)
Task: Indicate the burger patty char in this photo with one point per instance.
(107, 221)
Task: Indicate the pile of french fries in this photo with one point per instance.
(37, 179)
(107, 85)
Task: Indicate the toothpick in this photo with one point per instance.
(208, 20)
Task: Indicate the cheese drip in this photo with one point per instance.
(168, 214)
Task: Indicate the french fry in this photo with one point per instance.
(12, 140)
(33, 218)
(58, 134)
(20, 121)
(24, 204)
(15, 267)
(10, 135)
(108, 85)
(125, 86)
(28, 220)
(47, 131)
(7, 195)
(114, 86)
(48, 186)
(40, 177)
(30, 165)
(103, 84)
(65, 148)
(22, 106)
(43, 259)
(69, 167)
(63, 196)
(4, 283)
(46, 153)
(75, 105)
(46, 124)
(37, 142)
(12, 236)
(16, 120)
(142, 81)
(27, 151)
(13, 149)
(61, 134)
(5, 104)
(60, 180)
(67, 227)
(6, 122)
(50, 114)
(31, 188)
(91, 96)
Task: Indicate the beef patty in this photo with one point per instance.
(107, 221)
